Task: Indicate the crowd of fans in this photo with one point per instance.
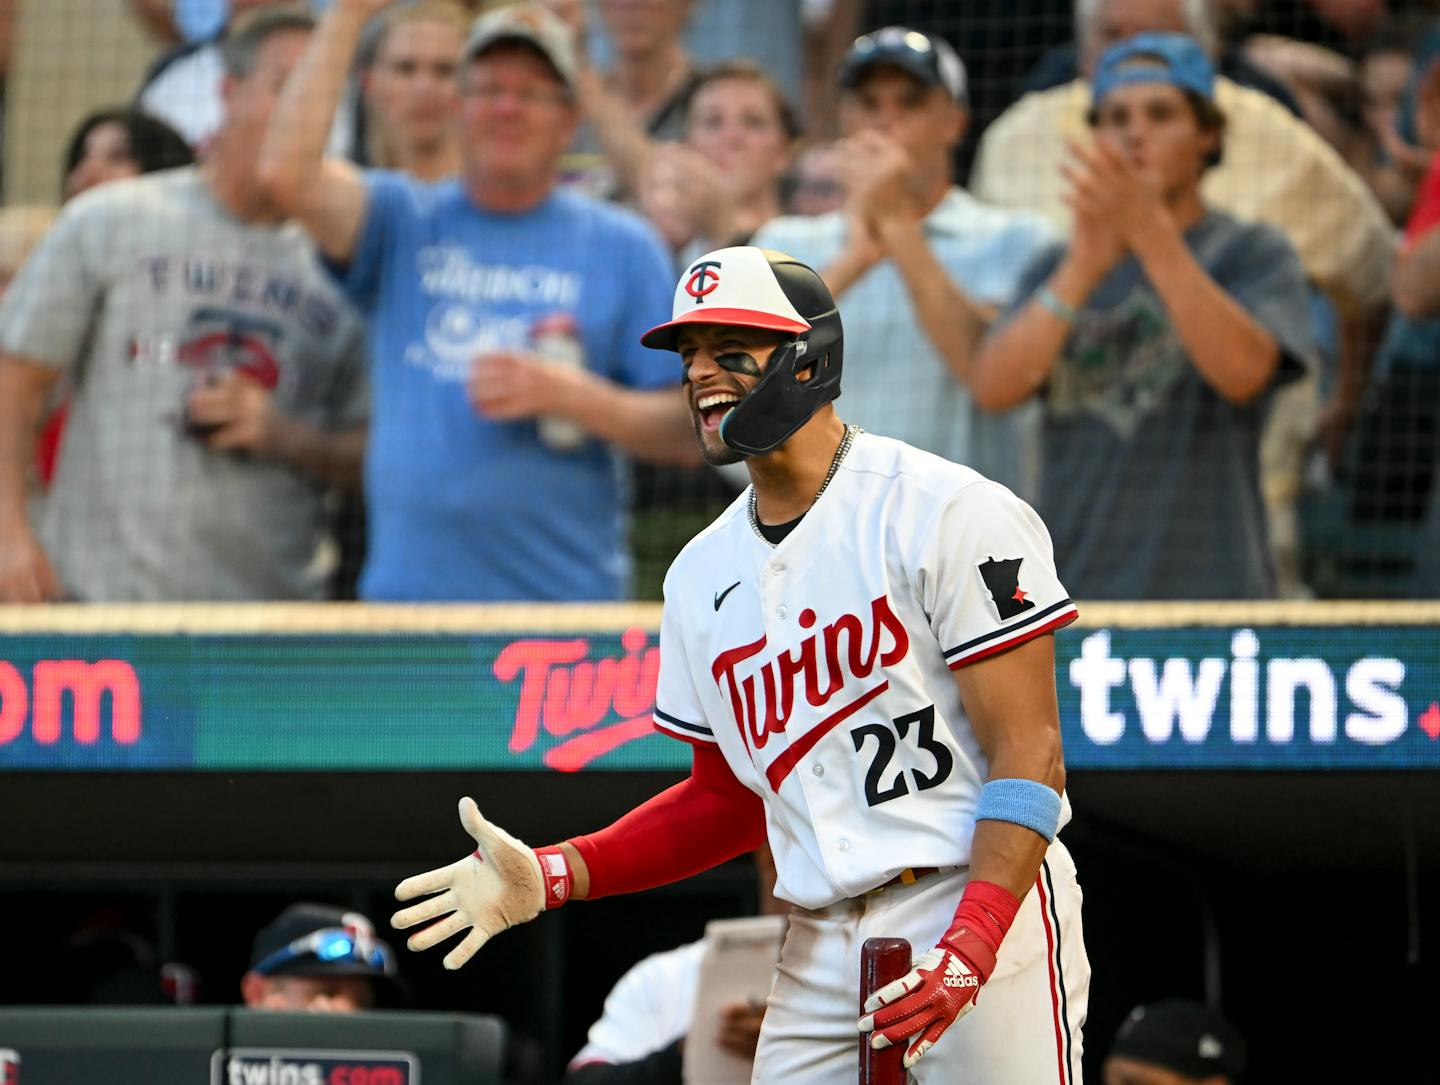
(387, 318)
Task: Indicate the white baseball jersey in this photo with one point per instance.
(821, 667)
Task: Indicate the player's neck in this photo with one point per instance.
(788, 479)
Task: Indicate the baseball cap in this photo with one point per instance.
(729, 286)
(530, 23)
(1154, 57)
(1186, 1037)
(308, 939)
(930, 59)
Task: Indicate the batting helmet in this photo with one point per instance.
(761, 288)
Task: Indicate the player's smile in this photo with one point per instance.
(712, 405)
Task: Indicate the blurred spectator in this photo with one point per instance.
(1408, 123)
(1416, 280)
(1155, 338)
(1342, 26)
(919, 262)
(21, 228)
(1317, 49)
(117, 143)
(182, 88)
(1000, 40)
(722, 182)
(641, 98)
(1099, 24)
(171, 21)
(219, 377)
(1175, 1042)
(650, 1012)
(814, 186)
(507, 314)
(770, 35)
(1276, 170)
(319, 958)
(110, 145)
(1398, 453)
(411, 94)
(1390, 164)
(1391, 462)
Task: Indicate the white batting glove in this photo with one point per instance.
(495, 888)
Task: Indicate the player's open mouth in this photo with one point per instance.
(713, 407)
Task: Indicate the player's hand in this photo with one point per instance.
(509, 385)
(26, 575)
(740, 1028)
(495, 888)
(235, 414)
(932, 996)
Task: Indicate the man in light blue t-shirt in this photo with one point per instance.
(920, 265)
(506, 316)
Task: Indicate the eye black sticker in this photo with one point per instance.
(738, 362)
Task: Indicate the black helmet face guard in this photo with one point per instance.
(782, 401)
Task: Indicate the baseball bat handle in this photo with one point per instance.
(881, 960)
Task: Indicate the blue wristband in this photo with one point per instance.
(1024, 802)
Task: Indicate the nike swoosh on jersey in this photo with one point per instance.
(720, 598)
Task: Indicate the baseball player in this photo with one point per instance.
(856, 649)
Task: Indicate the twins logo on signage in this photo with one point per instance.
(581, 704)
(279, 1066)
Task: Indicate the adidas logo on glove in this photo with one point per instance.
(957, 975)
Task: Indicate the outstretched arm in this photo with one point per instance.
(327, 195)
(695, 825)
(699, 823)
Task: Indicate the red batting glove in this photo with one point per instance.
(945, 982)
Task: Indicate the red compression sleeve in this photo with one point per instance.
(699, 823)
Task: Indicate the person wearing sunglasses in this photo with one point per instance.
(319, 958)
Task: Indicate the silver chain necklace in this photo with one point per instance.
(840, 453)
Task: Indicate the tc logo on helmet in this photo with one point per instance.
(702, 280)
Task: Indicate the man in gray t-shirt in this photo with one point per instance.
(1154, 340)
(219, 378)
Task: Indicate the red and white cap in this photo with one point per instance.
(729, 286)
